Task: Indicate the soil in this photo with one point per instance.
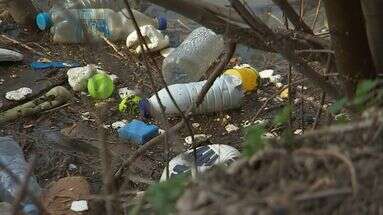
(274, 184)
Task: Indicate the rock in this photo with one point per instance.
(125, 92)
(230, 128)
(60, 195)
(78, 77)
(18, 95)
(9, 55)
(79, 206)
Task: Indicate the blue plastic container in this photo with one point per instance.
(138, 132)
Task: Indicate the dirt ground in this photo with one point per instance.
(275, 183)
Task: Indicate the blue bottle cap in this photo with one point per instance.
(144, 106)
(43, 20)
(162, 23)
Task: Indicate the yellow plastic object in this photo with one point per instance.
(249, 76)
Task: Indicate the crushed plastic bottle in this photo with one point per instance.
(79, 24)
(193, 57)
(12, 157)
(225, 94)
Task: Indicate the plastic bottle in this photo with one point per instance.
(70, 25)
(225, 94)
(12, 157)
(193, 57)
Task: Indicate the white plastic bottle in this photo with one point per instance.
(225, 94)
(193, 57)
(72, 24)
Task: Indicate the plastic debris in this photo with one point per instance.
(207, 156)
(119, 124)
(197, 138)
(195, 125)
(189, 61)
(130, 105)
(298, 132)
(231, 128)
(138, 132)
(18, 95)
(9, 55)
(78, 77)
(225, 94)
(125, 92)
(11, 156)
(166, 52)
(249, 76)
(284, 94)
(98, 22)
(53, 64)
(72, 167)
(269, 74)
(156, 40)
(79, 206)
(100, 86)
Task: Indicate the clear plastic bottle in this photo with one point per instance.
(72, 24)
(193, 57)
(12, 157)
(225, 94)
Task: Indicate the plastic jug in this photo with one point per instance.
(12, 157)
(70, 25)
(225, 94)
(193, 57)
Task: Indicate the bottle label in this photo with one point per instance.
(96, 24)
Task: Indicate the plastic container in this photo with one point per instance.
(193, 57)
(138, 131)
(70, 25)
(207, 157)
(12, 157)
(249, 76)
(225, 94)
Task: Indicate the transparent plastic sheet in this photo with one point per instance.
(12, 157)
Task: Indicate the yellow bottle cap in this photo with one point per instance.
(249, 76)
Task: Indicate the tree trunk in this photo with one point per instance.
(349, 40)
(373, 13)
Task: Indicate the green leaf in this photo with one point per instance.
(365, 87)
(338, 106)
(283, 116)
(254, 141)
(163, 196)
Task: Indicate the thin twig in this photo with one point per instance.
(21, 44)
(315, 51)
(285, 49)
(316, 15)
(323, 194)
(272, 97)
(339, 156)
(114, 47)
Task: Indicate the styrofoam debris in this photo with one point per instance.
(86, 117)
(125, 92)
(79, 206)
(78, 77)
(161, 131)
(275, 79)
(114, 78)
(119, 124)
(19, 94)
(157, 40)
(197, 138)
(230, 128)
(298, 132)
(72, 167)
(195, 125)
(266, 73)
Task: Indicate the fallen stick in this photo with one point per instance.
(53, 98)
(21, 44)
